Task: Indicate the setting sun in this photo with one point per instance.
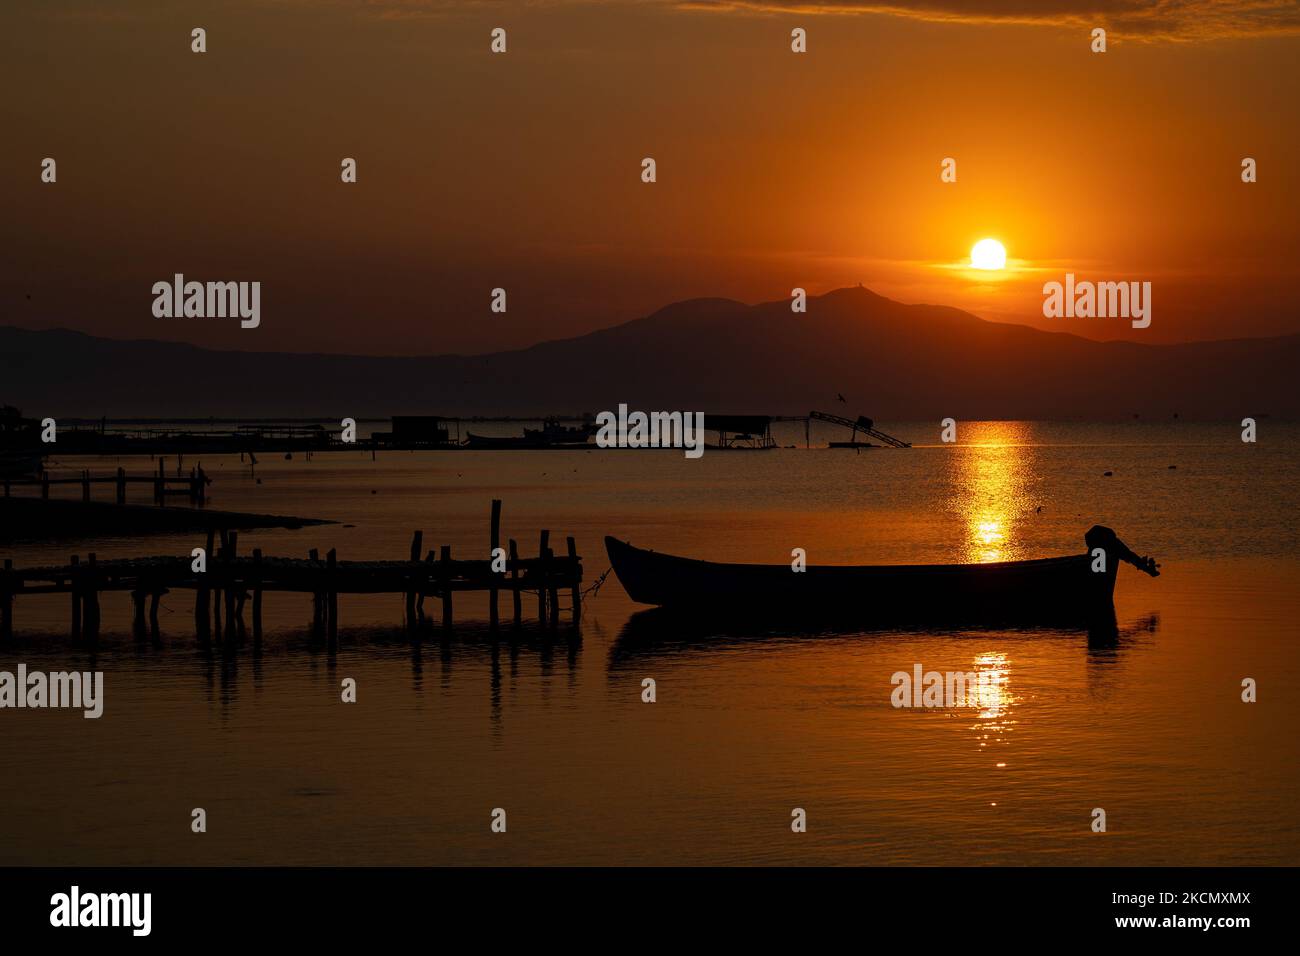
(988, 254)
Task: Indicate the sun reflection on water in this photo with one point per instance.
(994, 700)
(992, 479)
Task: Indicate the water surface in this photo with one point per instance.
(747, 726)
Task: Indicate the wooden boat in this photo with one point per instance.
(1047, 589)
(552, 434)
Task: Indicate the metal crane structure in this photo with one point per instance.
(864, 425)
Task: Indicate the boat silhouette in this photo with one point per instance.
(1068, 590)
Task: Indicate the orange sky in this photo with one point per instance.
(775, 170)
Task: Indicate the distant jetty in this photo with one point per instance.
(37, 519)
(182, 437)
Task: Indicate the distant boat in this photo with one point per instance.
(552, 434)
(1062, 589)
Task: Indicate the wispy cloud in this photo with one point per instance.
(1146, 20)
(1181, 20)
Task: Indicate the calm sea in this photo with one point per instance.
(746, 726)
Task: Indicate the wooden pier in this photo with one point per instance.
(194, 485)
(230, 583)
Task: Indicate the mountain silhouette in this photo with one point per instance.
(897, 361)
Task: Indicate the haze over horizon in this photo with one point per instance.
(890, 359)
(683, 304)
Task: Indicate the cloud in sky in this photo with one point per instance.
(1143, 19)
(1148, 20)
(1180, 20)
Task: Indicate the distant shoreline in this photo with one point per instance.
(35, 519)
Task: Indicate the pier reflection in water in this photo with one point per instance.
(1146, 720)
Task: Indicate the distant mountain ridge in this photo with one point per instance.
(890, 360)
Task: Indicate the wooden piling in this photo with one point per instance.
(227, 575)
(444, 581)
(317, 602)
(257, 595)
(575, 591)
(85, 484)
(202, 622)
(552, 593)
(542, 569)
(121, 485)
(495, 544)
(90, 617)
(74, 582)
(429, 559)
(45, 485)
(417, 544)
(137, 616)
(331, 570)
(153, 615)
(514, 581)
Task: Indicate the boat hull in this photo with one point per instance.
(1064, 589)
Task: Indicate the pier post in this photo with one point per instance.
(158, 485)
(228, 579)
(91, 615)
(153, 614)
(417, 545)
(202, 621)
(542, 569)
(7, 587)
(215, 559)
(576, 591)
(317, 602)
(257, 595)
(427, 575)
(203, 486)
(74, 582)
(121, 485)
(137, 616)
(444, 578)
(496, 543)
(85, 484)
(331, 570)
(514, 580)
(202, 613)
(45, 485)
(552, 593)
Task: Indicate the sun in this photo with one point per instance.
(988, 254)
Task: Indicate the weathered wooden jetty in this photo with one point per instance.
(229, 582)
(193, 485)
